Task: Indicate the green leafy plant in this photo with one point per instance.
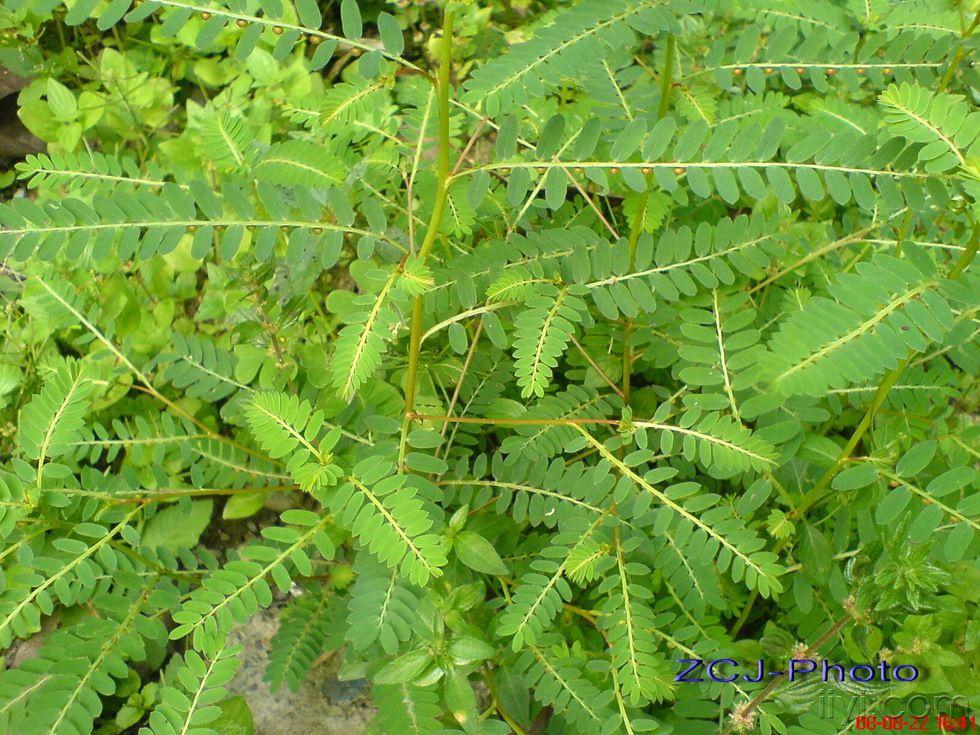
(546, 343)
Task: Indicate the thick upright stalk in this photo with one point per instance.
(442, 179)
(968, 255)
(960, 54)
(749, 707)
(667, 77)
(666, 84)
(442, 171)
(414, 345)
(641, 214)
(819, 491)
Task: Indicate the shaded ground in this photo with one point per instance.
(15, 141)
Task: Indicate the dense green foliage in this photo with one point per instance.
(566, 339)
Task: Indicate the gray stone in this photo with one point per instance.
(323, 705)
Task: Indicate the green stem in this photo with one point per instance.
(197, 492)
(635, 231)
(513, 422)
(820, 489)
(442, 179)
(442, 171)
(667, 77)
(666, 83)
(496, 705)
(903, 233)
(948, 76)
(958, 56)
(966, 258)
(414, 346)
(774, 684)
